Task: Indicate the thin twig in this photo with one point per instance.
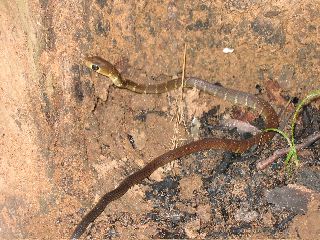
(305, 143)
(184, 66)
(179, 113)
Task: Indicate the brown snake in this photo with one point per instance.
(241, 98)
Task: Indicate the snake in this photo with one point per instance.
(104, 67)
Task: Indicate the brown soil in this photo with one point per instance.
(68, 135)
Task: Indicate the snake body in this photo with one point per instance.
(240, 98)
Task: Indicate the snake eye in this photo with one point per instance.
(95, 67)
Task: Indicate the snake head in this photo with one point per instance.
(105, 68)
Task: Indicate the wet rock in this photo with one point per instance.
(289, 199)
(310, 179)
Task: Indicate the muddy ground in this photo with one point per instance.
(68, 135)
